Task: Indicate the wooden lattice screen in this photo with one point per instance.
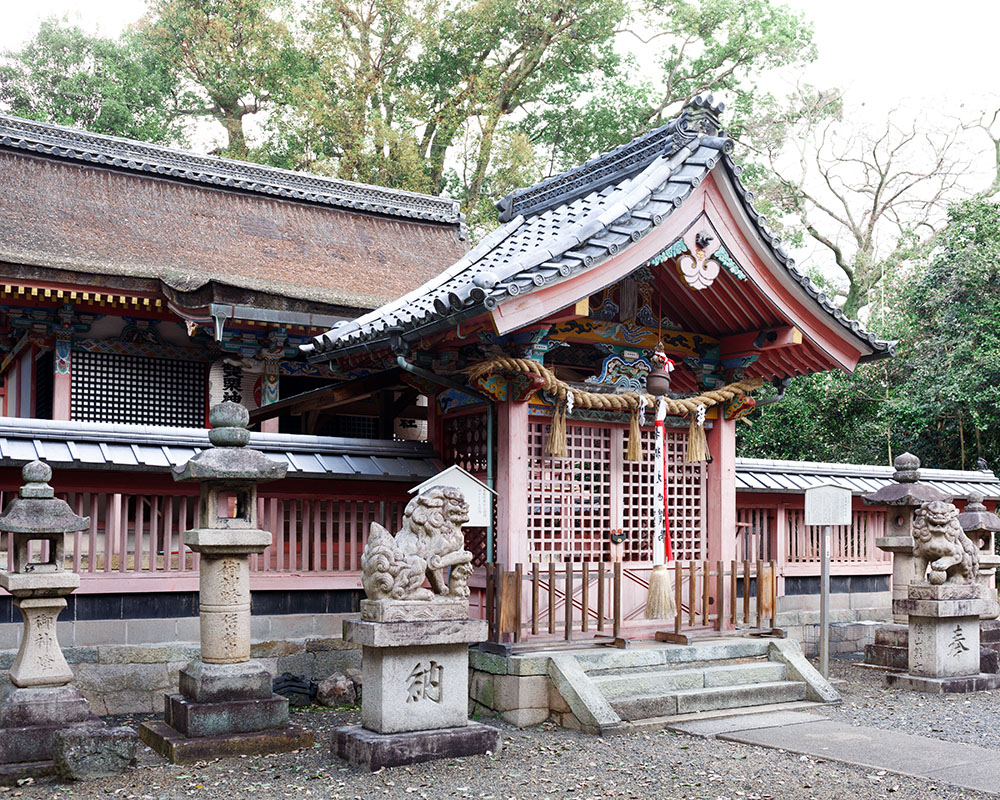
(465, 442)
(853, 543)
(574, 503)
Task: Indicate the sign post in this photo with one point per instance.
(826, 506)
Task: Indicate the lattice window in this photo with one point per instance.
(575, 503)
(685, 490)
(136, 390)
(465, 442)
(570, 511)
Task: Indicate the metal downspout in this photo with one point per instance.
(420, 372)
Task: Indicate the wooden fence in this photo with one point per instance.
(576, 601)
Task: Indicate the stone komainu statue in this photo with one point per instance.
(940, 542)
(430, 542)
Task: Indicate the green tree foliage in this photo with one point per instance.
(938, 397)
(110, 86)
(473, 97)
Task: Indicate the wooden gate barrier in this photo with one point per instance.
(573, 600)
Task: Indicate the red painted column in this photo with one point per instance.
(720, 492)
(512, 483)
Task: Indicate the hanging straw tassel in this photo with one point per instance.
(633, 452)
(660, 600)
(697, 444)
(556, 445)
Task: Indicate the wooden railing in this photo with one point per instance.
(575, 601)
(135, 540)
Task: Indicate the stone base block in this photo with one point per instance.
(221, 719)
(34, 742)
(60, 705)
(887, 656)
(415, 688)
(364, 748)
(214, 683)
(11, 774)
(942, 646)
(958, 685)
(88, 753)
(440, 608)
(179, 749)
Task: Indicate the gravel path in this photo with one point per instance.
(537, 763)
(967, 718)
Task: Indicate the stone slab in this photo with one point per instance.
(373, 751)
(196, 720)
(43, 706)
(178, 749)
(414, 688)
(34, 742)
(403, 634)
(936, 609)
(951, 763)
(232, 542)
(88, 753)
(582, 696)
(213, 683)
(708, 728)
(798, 668)
(28, 583)
(13, 774)
(440, 608)
(962, 684)
(943, 591)
(895, 543)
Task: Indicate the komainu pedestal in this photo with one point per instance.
(415, 642)
(943, 609)
(225, 705)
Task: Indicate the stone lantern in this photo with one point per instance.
(45, 720)
(902, 498)
(226, 705)
(981, 527)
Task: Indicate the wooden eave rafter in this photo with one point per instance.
(331, 396)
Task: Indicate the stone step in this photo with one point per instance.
(887, 656)
(664, 681)
(659, 723)
(989, 631)
(709, 699)
(673, 655)
(892, 635)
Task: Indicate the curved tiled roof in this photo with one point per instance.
(126, 154)
(571, 223)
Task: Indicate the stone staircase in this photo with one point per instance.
(667, 691)
(649, 687)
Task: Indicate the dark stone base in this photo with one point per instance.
(224, 718)
(887, 656)
(34, 742)
(82, 754)
(891, 648)
(959, 685)
(364, 748)
(10, 774)
(179, 749)
(215, 683)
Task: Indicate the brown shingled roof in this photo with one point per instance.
(56, 212)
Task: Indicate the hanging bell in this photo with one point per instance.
(658, 377)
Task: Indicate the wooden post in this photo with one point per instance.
(617, 601)
(534, 599)
(720, 593)
(512, 482)
(746, 594)
(490, 590)
(706, 586)
(552, 597)
(733, 584)
(774, 594)
(760, 594)
(720, 491)
(568, 596)
(585, 598)
(519, 584)
(678, 594)
(600, 597)
(692, 591)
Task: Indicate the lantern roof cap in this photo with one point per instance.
(36, 509)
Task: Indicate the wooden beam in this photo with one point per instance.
(594, 331)
(757, 341)
(330, 396)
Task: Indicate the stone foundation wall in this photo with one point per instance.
(120, 678)
(853, 620)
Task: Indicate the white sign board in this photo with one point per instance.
(828, 505)
(477, 494)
